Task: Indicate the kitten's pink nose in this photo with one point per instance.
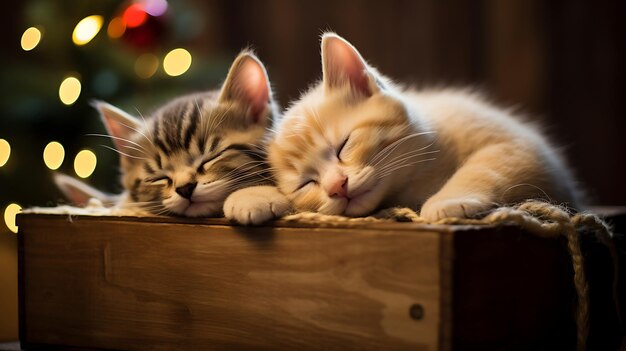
(338, 186)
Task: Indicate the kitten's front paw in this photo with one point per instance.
(463, 207)
(256, 205)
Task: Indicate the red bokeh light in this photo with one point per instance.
(134, 16)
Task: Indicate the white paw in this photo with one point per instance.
(463, 207)
(256, 205)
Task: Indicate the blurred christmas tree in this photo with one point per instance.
(134, 54)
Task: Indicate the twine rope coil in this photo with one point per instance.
(537, 217)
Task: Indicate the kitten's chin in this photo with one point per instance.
(362, 205)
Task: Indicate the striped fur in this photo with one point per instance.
(212, 140)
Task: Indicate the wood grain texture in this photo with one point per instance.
(170, 283)
(120, 284)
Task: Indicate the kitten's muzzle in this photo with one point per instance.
(335, 184)
(186, 190)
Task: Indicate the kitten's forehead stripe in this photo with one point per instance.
(160, 143)
(201, 140)
(178, 124)
(216, 140)
(176, 133)
(191, 127)
(171, 134)
(158, 160)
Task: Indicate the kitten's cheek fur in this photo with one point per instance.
(435, 209)
(256, 205)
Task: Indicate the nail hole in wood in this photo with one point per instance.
(416, 312)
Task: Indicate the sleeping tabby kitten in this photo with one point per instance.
(356, 142)
(196, 150)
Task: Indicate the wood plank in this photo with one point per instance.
(164, 283)
(133, 285)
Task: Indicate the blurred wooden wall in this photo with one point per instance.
(562, 62)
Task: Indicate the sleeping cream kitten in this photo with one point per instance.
(189, 155)
(357, 142)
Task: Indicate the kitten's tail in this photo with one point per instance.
(79, 193)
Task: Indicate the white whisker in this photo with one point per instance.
(402, 158)
(123, 153)
(389, 172)
(117, 138)
(386, 151)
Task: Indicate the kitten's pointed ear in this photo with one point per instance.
(247, 83)
(79, 193)
(119, 124)
(342, 64)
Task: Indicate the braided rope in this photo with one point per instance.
(537, 217)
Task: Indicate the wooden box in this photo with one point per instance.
(126, 283)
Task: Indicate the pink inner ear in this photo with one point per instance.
(77, 197)
(345, 65)
(252, 84)
(118, 130)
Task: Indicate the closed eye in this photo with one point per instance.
(305, 183)
(250, 152)
(160, 180)
(341, 147)
(202, 166)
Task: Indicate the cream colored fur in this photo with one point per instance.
(449, 152)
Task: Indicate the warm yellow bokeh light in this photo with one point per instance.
(5, 152)
(30, 38)
(85, 163)
(69, 91)
(146, 65)
(53, 155)
(9, 216)
(177, 62)
(86, 29)
(116, 28)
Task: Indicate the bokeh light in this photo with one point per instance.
(87, 29)
(69, 90)
(5, 152)
(85, 163)
(177, 62)
(53, 155)
(146, 65)
(9, 216)
(30, 38)
(116, 28)
(134, 16)
(155, 8)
